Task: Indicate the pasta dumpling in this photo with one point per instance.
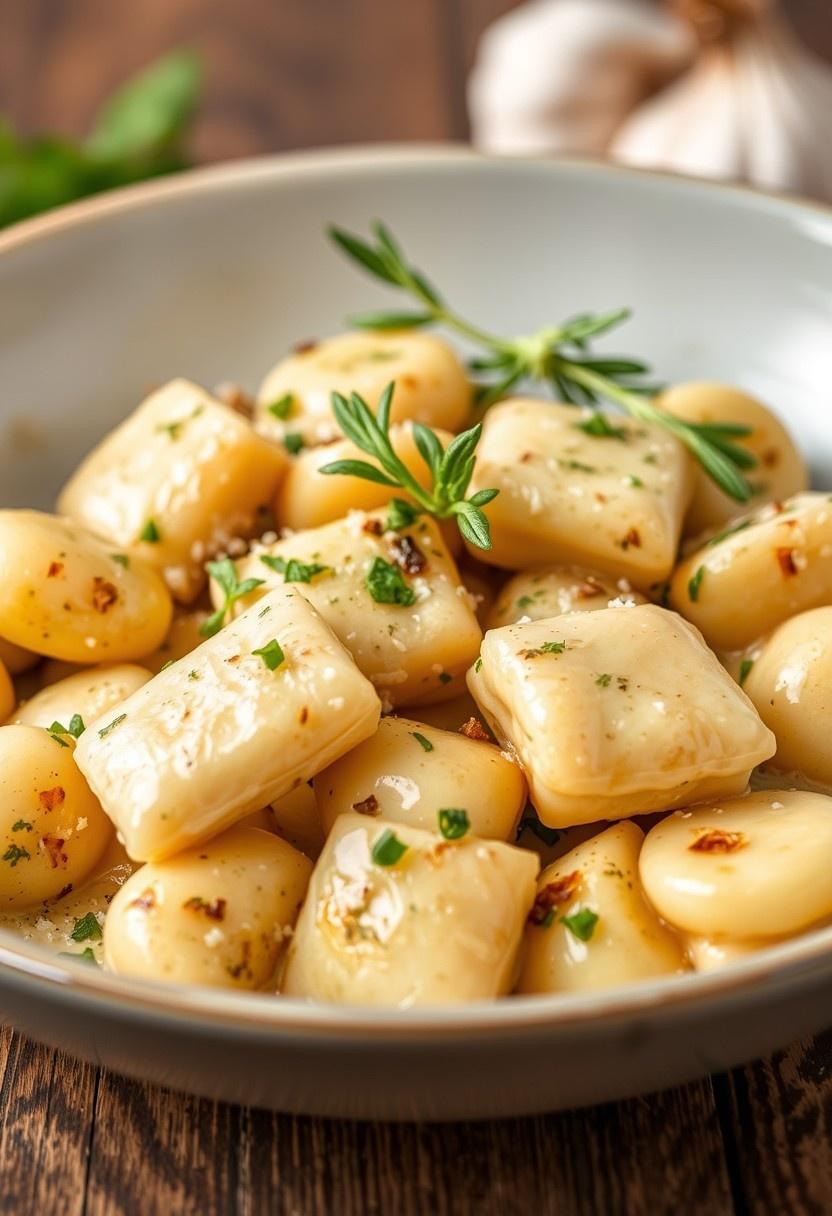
(179, 478)
(393, 598)
(756, 866)
(617, 712)
(217, 915)
(261, 707)
(407, 772)
(591, 926)
(763, 568)
(397, 916)
(295, 398)
(613, 501)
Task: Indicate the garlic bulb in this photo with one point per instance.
(715, 88)
(560, 75)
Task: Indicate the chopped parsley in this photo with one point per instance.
(577, 466)
(57, 739)
(524, 601)
(122, 559)
(424, 743)
(599, 427)
(150, 533)
(14, 854)
(388, 849)
(745, 670)
(76, 727)
(107, 730)
(694, 584)
(86, 955)
(400, 514)
(21, 825)
(293, 442)
(224, 573)
(281, 408)
(453, 823)
(581, 924)
(86, 929)
(478, 665)
(634, 481)
(545, 648)
(603, 680)
(731, 531)
(293, 570)
(271, 654)
(386, 584)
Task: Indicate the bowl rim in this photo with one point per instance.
(261, 1013)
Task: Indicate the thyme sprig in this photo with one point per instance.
(451, 468)
(559, 356)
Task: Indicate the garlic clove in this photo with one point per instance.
(561, 75)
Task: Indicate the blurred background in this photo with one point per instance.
(272, 75)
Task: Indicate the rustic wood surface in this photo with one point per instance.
(79, 1141)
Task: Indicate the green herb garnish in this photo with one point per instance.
(282, 408)
(294, 442)
(293, 570)
(271, 654)
(122, 559)
(453, 823)
(107, 730)
(581, 924)
(731, 531)
(599, 427)
(557, 355)
(21, 825)
(86, 928)
(478, 666)
(386, 584)
(87, 955)
(388, 849)
(14, 854)
(424, 743)
(224, 574)
(694, 584)
(150, 533)
(603, 680)
(451, 469)
(745, 670)
(544, 648)
(530, 820)
(400, 514)
(76, 727)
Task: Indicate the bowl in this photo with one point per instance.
(212, 275)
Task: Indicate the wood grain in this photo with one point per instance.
(75, 1141)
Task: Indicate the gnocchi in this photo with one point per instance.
(301, 695)
(399, 916)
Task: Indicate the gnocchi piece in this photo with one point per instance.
(298, 820)
(591, 926)
(73, 923)
(183, 636)
(534, 595)
(179, 478)
(8, 698)
(791, 685)
(612, 502)
(714, 954)
(64, 594)
(762, 569)
(52, 829)
(216, 915)
(617, 712)
(308, 498)
(756, 866)
(15, 659)
(431, 384)
(408, 772)
(265, 704)
(780, 471)
(400, 917)
(393, 598)
(89, 693)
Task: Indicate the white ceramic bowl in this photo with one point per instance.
(212, 275)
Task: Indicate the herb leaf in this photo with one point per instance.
(388, 849)
(86, 928)
(386, 584)
(745, 670)
(423, 742)
(271, 654)
(224, 573)
(451, 470)
(581, 924)
(557, 355)
(453, 823)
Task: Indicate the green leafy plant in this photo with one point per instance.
(451, 468)
(557, 355)
(138, 133)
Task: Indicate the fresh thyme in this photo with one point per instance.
(559, 356)
(451, 468)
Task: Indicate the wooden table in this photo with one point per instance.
(75, 1139)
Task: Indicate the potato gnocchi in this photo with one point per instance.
(439, 714)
